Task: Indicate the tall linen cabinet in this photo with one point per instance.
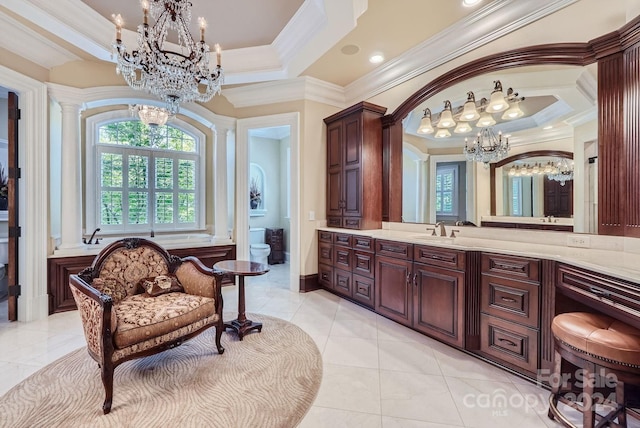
(354, 167)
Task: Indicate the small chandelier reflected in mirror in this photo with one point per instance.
(150, 115)
(486, 147)
(562, 171)
(174, 76)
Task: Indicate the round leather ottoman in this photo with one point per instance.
(607, 354)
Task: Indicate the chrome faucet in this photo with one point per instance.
(443, 231)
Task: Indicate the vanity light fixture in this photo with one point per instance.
(425, 123)
(513, 112)
(446, 117)
(463, 128)
(470, 111)
(442, 133)
(497, 102)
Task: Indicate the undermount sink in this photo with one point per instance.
(434, 238)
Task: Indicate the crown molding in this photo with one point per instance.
(300, 88)
(23, 41)
(489, 23)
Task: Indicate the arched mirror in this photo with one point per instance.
(551, 107)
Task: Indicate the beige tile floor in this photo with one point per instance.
(377, 373)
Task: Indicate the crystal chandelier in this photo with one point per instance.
(486, 147)
(173, 76)
(562, 172)
(151, 116)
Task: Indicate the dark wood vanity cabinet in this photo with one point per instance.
(354, 162)
(510, 310)
(346, 265)
(275, 239)
(422, 287)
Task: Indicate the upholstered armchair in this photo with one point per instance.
(136, 300)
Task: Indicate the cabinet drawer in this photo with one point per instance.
(363, 263)
(363, 243)
(400, 250)
(342, 282)
(511, 266)
(325, 276)
(439, 257)
(509, 342)
(515, 301)
(325, 253)
(363, 290)
(342, 258)
(351, 223)
(324, 236)
(334, 221)
(343, 239)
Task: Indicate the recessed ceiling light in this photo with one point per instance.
(376, 58)
(350, 49)
(469, 3)
(548, 127)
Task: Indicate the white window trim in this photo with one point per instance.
(92, 182)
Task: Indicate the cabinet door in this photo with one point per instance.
(394, 293)
(335, 169)
(352, 174)
(439, 303)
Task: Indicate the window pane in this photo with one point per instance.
(439, 202)
(138, 207)
(438, 182)
(111, 170)
(186, 208)
(138, 171)
(164, 208)
(164, 173)
(186, 174)
(111, 208)
(447, 202)
(188, 143)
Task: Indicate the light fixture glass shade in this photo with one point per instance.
(152, 116)
(513, 112)
(497, 102)
(446, 117)
(463, 128)
(485, 120)
(425, 126)
(442, 133)
(173, 75)
(470, 111)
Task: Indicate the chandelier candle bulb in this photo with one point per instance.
(218, 53)
(203, 25)
(145, 11)
(118, 20)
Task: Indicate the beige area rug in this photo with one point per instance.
(270, 379)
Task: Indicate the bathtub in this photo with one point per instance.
(168, 241)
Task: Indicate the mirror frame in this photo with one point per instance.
(618, 205)
(519, 156)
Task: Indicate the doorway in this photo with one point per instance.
(274, 140)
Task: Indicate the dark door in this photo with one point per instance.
(14, 230)
(558, 198)
(393, 288)
(334, 170)
(352, 166)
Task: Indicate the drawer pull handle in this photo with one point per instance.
(599, 292)
(409, 278)
(392, 249)
(508, 299)
(415, 279)
(507, 342)
(508, 267)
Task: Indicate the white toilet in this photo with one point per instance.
(258, 249)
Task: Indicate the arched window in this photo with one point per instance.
(144, 181)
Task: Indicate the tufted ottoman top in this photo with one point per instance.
(600, 336)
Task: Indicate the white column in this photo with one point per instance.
(71, 192)
(220, 200)
(422, 188)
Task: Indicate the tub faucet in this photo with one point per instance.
(443, 231)
(84, 240)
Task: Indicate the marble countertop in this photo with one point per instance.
(610, 261)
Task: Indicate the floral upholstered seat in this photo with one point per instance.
(136, 300)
